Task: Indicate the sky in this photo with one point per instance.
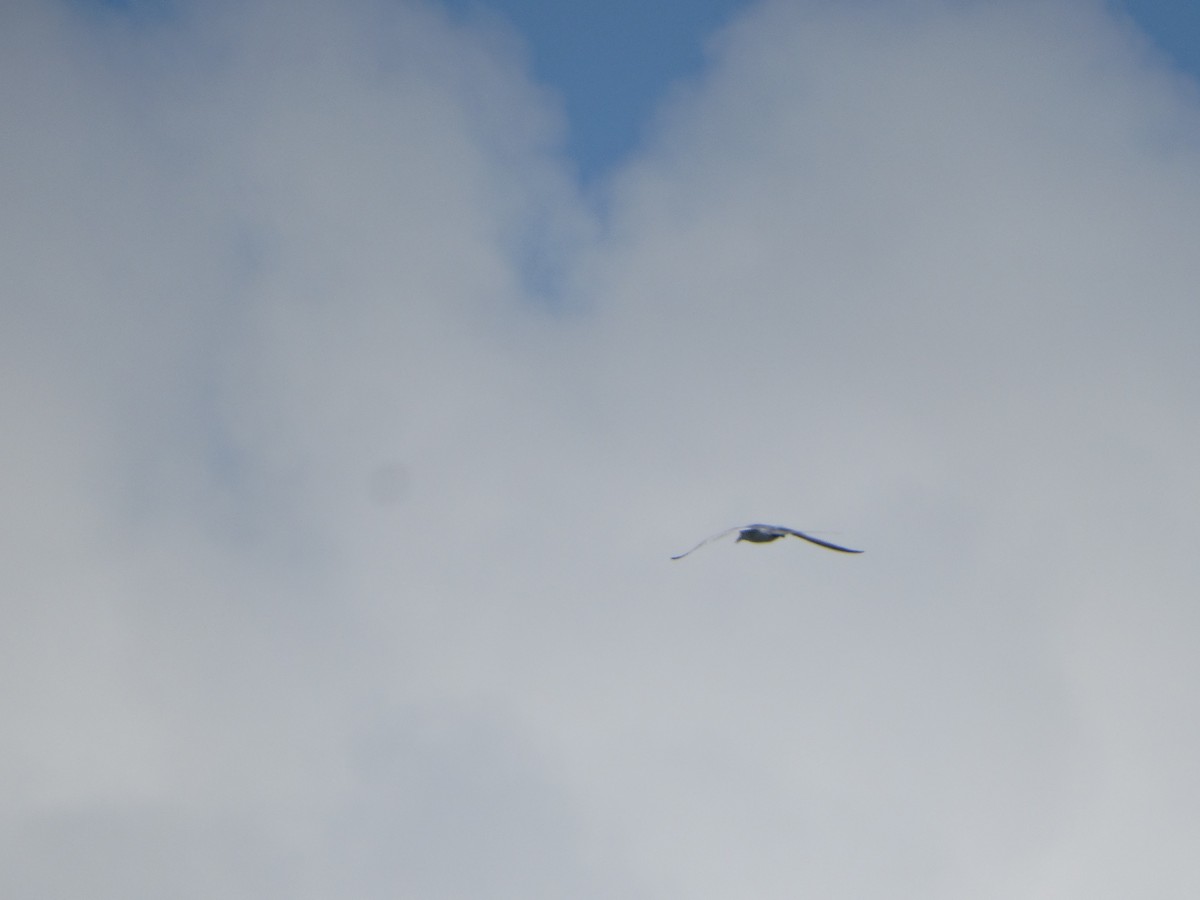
(350, 426)
(614, 62)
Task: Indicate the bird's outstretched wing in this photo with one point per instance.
(818, 541)
(776, 530)
(709, 540)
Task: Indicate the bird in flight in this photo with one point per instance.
(764, 534)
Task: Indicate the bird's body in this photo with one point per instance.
(764, 534)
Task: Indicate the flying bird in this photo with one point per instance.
(764, 534)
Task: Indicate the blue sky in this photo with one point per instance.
(1173, 24)
(337, 562)
(613, 62)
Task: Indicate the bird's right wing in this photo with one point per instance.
(819, 542)
(710, 540)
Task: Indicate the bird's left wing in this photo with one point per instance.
(709, 540)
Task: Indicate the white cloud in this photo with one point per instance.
(345, 452)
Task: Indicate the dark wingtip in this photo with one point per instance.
(821, 543)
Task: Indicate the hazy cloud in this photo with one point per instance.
(346, 445)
